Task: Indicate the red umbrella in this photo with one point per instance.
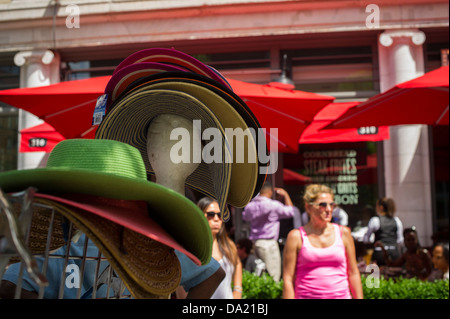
(314, 134)
(290, 111)
(67, 106)
(39, 138)
(423, 100)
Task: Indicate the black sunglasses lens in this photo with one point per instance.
(324, 205)
(212, 214)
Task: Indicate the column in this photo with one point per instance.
(406, 153)
(37, 68)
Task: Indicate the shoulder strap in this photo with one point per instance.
(340, 230)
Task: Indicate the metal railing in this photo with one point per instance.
(70, 267)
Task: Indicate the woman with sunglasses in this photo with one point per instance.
(224, 251)
(319, 260)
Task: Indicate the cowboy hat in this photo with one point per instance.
(114, 170)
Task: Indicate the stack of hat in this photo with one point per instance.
(159, 81)
(101, 186)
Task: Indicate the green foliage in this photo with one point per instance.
(264, 287)
(404, 288)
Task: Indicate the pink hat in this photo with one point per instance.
(122, 78)
(176, 58)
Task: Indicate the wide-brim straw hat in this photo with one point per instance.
(243, 147)
(226, 113)
(116, 171)
(210, 87)
(146, 262)
(129, 119)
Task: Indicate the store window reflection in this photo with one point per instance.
(350, 169)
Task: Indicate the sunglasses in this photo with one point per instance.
(212, 214)
(325, 204)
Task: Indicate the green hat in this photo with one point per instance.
(112, 169)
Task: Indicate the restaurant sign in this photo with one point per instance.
(337, 169)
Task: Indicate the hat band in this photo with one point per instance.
(106, 156)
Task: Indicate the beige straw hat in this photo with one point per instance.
(128, 121)
(244, 152)
(147, 267)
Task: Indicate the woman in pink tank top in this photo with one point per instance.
(319, 259)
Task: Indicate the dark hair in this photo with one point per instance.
(388, 205)
(245, 243)
(205, 202)
(226, 245)
(444, 246)
(409, 230)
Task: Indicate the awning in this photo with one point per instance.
(69, 106)
(39, 138)
(314, 134)
(423, 100)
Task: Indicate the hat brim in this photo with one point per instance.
(225, 93)
(133, 215)
(40, 235)
(179, 216)
(121, 79)
(129, 120)
(148, 268)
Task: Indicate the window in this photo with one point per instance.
(251, 67)
(9, 79)
(346, 72)
(350, 169)
(88, 69)
(8, 138)
(436, 55)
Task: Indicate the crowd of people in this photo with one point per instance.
(319, 257)
(129, 168)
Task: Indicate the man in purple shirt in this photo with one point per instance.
(264, 214)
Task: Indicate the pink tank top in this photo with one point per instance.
(321, 273)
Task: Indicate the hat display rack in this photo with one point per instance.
(93, 205)
(40, 230)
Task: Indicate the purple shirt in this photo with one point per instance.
(264, 215)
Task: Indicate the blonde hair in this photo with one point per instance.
(313, 191)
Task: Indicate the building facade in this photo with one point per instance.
(348, 49)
